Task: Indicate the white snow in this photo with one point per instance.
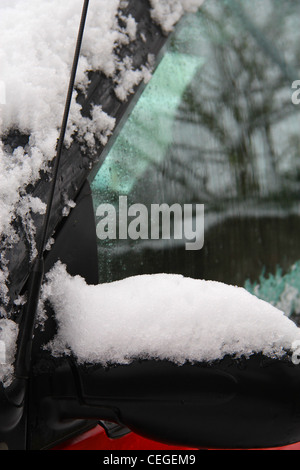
(162, 316)
(37, 41)
(2, 353)
(168, 12)
(8, 338)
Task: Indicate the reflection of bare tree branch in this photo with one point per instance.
(256, 117)
(234, 97)
(226, 119)
(269, 49)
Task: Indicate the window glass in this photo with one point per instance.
(217, 125)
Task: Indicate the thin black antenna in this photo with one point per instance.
(63, 129)
(23, 357)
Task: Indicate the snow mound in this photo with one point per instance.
(162, 316)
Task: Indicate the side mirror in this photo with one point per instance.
(249, 403)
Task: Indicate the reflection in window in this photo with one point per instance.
(216, 126)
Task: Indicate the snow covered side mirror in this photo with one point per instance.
(247, 403)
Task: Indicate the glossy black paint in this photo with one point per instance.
(245, 403)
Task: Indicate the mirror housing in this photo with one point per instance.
(247, 403)
(12, 401)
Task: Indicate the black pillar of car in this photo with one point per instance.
(12, 400)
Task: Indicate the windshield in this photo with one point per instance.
(217, 126)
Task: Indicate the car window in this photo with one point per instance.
(218, 124)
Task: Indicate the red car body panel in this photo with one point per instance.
(96, 439)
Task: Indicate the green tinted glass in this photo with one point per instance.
(216, 125)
